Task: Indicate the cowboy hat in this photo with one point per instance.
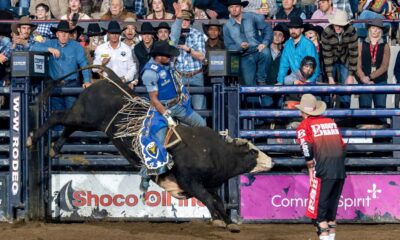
(187, 15)
(94, 29)
(295, 22)
(377, 22)
(114, 27)
(163, 48)
(212, 22)
(310, 105)
(339, 18)
(163, 25)
(237, 2)
(315, 28)
(146, 28)
(63, 26)
(129, 21)
(282, 28)
(25, 20)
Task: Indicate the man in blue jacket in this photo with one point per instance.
(296, 49)
(249, 33)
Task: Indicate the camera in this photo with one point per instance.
(183, 36)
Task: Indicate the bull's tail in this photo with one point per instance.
(50, 85)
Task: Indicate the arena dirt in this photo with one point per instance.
(192, 230)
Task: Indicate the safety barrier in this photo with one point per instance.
(281, 196)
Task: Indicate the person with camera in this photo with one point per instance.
(75, 12)
(191, 44)
(249, 34)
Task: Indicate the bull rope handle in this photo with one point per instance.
(178, 139)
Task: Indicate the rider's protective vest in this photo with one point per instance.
(166, 81)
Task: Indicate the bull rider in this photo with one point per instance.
(168, 98)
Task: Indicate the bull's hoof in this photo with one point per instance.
(219, 223)
(234, 228)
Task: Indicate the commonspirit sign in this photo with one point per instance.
(366, 198)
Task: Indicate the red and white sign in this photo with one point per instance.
(80, 196)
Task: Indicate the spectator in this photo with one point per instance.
(22, 40)
(373, 63)
(198, 13)
(296, 48)
(157, 10)
(325, 11)
(343, 5)
(340, 52)
(5, 4)
(308, 7)
(143, 48)
(74, 12)
(189, 63)
(5, 55)
(253, 43)
(116, 55)
(43, 14)
(256, 6)
(281, 35)
(58, 8)
(139, 7)
(95, 35)
(129, 34)
(396, 72)
(67, 56)
(300, 77)
(371, 10)
(289, 10)
(213, 30)
(163, 31)
(213, 8)
(117, 12)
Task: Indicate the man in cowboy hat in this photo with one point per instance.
(191, 44)
(324, 151)
(95, 35)
(67, 56)
(213, 30)
(168, 96)
(248, 33)
(143, 48)
(340, 52)
(131, 38)
(163, 30)
(296, 49)
(281, 35)
(22, 39)
(116, 55)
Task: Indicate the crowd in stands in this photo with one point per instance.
(330, 50)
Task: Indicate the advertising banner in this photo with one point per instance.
(364, 198)
(98, 196)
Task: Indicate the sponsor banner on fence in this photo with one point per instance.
(364, 197)
(79, 196)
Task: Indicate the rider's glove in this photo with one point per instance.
(170, 120)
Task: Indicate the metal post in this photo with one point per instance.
(218, 104)
(18, 155)
(396, 140)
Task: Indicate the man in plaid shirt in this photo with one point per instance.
(191, 44)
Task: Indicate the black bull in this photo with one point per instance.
(203, 160)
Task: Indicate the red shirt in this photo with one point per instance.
(321, 141)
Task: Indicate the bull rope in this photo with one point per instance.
(136, 108)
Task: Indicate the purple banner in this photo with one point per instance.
(364, 197)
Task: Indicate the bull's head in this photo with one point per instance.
(264, 162)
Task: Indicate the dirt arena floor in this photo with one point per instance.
(192, 230)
